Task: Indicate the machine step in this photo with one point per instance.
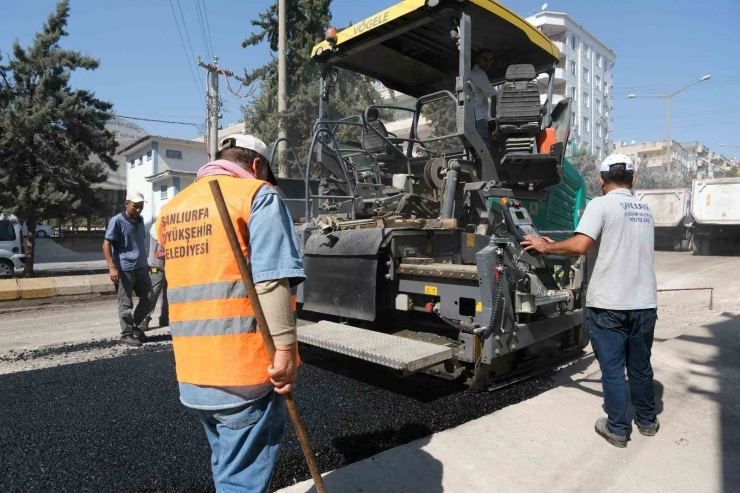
(395, 352)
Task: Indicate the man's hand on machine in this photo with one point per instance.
(283, 371)
(536, 243)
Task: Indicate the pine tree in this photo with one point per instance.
(49, 130)
(306, 21)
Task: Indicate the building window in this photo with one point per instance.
(573, 118)
(597, 149)
(598, 129)
(586, 100)
(573, 93)
(173, 154)
(597, 102)
(597, 82)
(573, 42)
(586, 51)
(598, 60)
(132, 164)
(139, 161)
(163, 192)
(149, 156)
(586, 124)
(606, 88)
(573, 67)
(586, 75)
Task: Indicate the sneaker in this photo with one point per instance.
(616, 440)
(164, 322)
(649, 431)
(130, 340)
(144, 325)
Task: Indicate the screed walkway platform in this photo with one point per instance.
(548, 443)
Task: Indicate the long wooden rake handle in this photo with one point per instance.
(248, 281)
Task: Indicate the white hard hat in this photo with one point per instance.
(617, 162)
(135, 196)
(253, 144)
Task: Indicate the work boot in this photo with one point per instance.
(130, 340)
(164, 322)
(144, 325)
(139, 335)
(649, 431)
(603, 430)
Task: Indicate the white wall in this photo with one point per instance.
(143, 166)
(193, 156)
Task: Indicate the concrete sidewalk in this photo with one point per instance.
(548, 443)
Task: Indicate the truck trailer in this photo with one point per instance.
(715, 208)
(671, 212)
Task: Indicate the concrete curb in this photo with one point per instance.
(49, 287)
(9, 290)
(67, 285)
(37, 288)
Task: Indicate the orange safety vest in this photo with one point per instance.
(214, 334)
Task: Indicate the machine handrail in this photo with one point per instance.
(386, 139)
(318, 132)
(292, 148)
(429, 98)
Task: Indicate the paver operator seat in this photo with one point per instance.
(518, 124)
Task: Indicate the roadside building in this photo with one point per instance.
(585, 74)
(653, 156)
(159, 167)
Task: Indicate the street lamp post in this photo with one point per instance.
(667, 98)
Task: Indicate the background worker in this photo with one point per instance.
(223, 368)
(483, 90)
(124, 249)
(156, 260)
(621, 300)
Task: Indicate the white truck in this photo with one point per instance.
(670, 208)
(716, 211)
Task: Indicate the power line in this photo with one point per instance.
(203, 35)
(187, 35)
(161, 121)
(190, 65)
(208, 26)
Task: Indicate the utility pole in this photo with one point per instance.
(213, 102)
(283, 169)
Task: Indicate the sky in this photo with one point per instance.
(145, 72)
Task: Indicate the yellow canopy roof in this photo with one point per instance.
(408, 46)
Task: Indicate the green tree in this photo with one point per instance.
(306, 21)
(48, 131)
(732, 172)
(587, 164)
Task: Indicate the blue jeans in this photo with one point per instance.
(624, 338)
(244, 443)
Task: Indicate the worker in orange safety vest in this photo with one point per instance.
(223, 368)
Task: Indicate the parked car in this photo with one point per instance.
(42, 230)
(12, 248)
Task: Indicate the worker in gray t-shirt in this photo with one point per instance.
(621, 300)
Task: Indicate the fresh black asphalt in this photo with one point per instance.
(117, 424)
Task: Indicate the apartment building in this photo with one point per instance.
(585, 74)
(652, 156)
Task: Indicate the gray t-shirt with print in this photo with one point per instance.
(624, 274)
